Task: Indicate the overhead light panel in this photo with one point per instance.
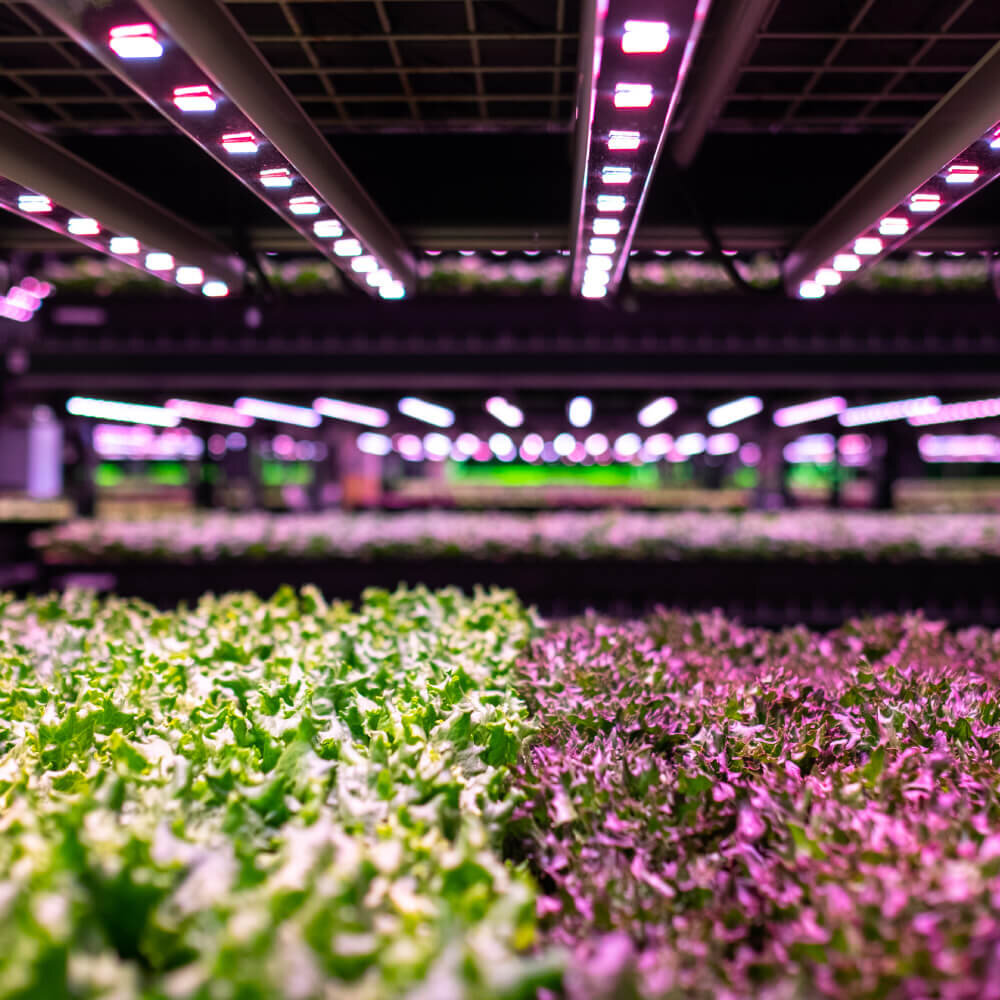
(880, 413)
(806, 413)
(355, 413)
(209, 413)
(280, 413)
(425, 412)
(632, 73)
(737, 410)
(125, 413)
(214, 85)
(951, 154)
(656, 412)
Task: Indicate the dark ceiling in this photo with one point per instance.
(456, 114)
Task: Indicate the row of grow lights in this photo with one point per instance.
(180, 91)
(958, 180)
(92, 233)
(639, 65)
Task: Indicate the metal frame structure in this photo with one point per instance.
(201, 44)
(33, 167)
(633, 64)
(953, 153)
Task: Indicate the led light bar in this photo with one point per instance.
(428, 413)
(959, 447)
(656, 412)
(24, 299)
(688, 445)
(87, 206)
(949, 413)
(355, 413)
(279, 413)
(880, 413)
(374, 444)
(737, 410)
(580, 411)
(504, 411)
(209, 413)
(806, 413)
(192, 61)
(946, 158)
(722, 444)
(633, 64)
(124, 413)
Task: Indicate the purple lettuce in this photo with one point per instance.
(716, 811)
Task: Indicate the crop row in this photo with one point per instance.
(818, 535)
(433, 796)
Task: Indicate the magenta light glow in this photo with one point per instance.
(428, 413)
(159, 262)
(240, 143)
(645, 37)
(879, 413)
(607, 227)
(467, 444)
(126, 413)
(926, 202)
(722, 444)
(962, 173)
(580, 411)
(209, 413)
(846, 262)
(818, 448)
(199, 98)
(347, 248)
(564, 444)
(306, 204)
(627, 446)
(867, 246)
(277, 177)
(735, 411)
(811, 290)
(657, 411)
(355, 413)
(328, 229)
(616, 175)
(280, 413)
(437, 446)
(959, 447)
(602, 245)
(135, 41)
(374, 444)
(611, 203)
(894, 226)
(596, 444)
(633, 95)
(188, 275)
(805, 413)
(124, 245)
(620, 140)
(657, 445)
(977, 409)
(502, 446)
(364, 265)
(688, 445)
(83, 227)
(34, 204)
(504, 411)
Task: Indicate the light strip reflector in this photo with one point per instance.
(633, 68)
(355, 413)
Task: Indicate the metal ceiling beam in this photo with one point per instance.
(32, 161)
(720, 61)
(955, 125)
